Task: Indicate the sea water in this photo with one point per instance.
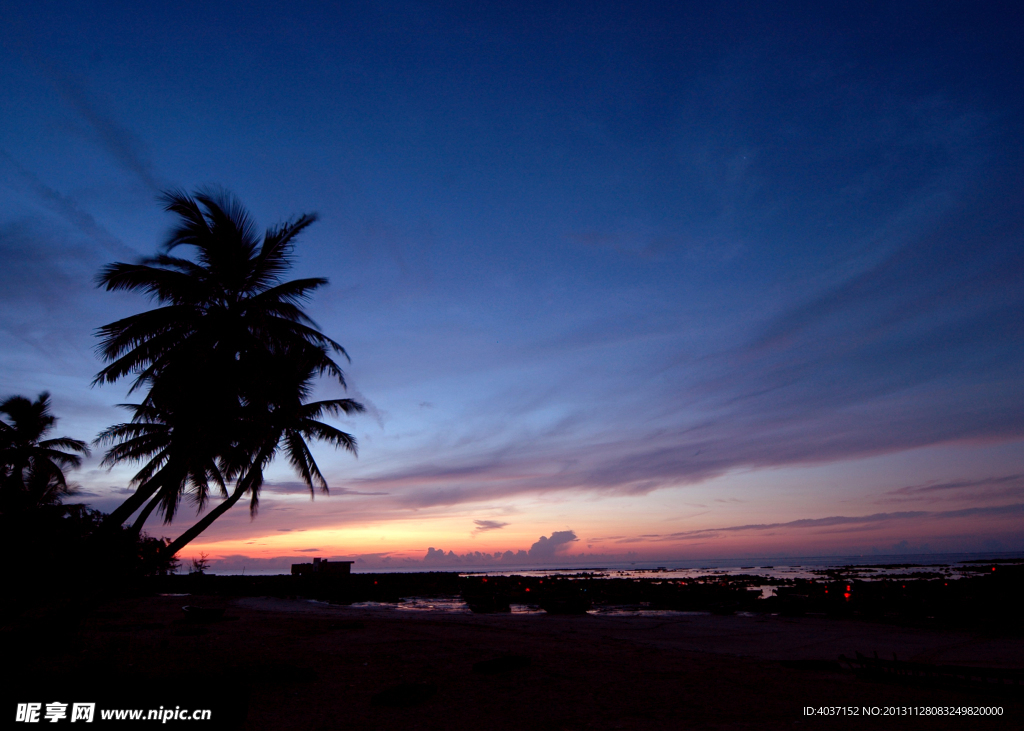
(863, 568)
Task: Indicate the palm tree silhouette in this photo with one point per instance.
(282, 420)
(225, 356)
(31, 467)
(175, 458)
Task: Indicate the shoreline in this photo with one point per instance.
(984, 597)
(924, 560)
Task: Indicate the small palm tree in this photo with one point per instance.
(33, 467)
(217, 360)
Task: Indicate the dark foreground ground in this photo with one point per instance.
(274, 663)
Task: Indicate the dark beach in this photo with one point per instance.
(297, 664)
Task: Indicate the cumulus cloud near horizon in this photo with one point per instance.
(550, 546)
(544, 549)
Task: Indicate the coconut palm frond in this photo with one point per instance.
(31, 467)
(227, 363)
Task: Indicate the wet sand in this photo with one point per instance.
(305, 665)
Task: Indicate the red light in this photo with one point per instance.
(904, 586)
(847, 587)
(993, 568)
(375, 583)
(485, 579)
(847, 595)
(527, 588)
(826, 591)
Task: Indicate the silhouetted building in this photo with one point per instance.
(322, 566)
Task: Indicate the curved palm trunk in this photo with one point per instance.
(125, 510)
(252, 479)
(185, 538)
(144, 515)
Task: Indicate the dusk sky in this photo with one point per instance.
(650, 281)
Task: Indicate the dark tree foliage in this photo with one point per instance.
(31, 467)
(226, 364)
(55, 553)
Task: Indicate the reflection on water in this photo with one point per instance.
(443, 604)
(455, 605)
(645, 612)
(447, 604)
(863, 568)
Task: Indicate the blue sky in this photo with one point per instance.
(649, 274)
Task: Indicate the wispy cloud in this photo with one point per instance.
(119, 141)
(838, 521)
(985, 490)
(918, 347)
(486, 525)
(931, 487)
(291, 488)
(45, 276)
(62, 206)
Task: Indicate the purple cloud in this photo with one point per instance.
(486, 525)
(547, 547)
(957, 485)
(835, 521)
